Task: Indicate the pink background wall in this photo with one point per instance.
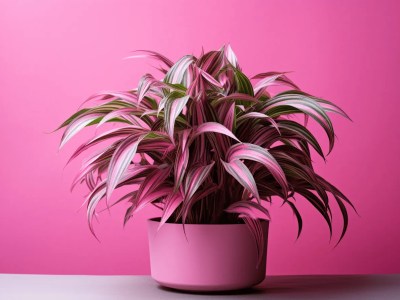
(53, 54)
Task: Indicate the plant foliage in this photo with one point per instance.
(206, 145)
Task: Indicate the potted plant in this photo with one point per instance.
(211, 150)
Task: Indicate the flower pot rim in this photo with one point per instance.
(158, 219)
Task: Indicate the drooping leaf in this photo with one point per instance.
(120, 161)
(152, 182)
(298, 217)
(299, 131)
(215, 128)
(257, 116)
(152, 54)
(261, 155)
(146, 198)
(271, 78)
(76, 126)
(249, 212)
(171, 204)
(317, 203)
(73, 117)
(345, 216)
(294, 102)
(129, 114)
(242, 174)
(128, 97)
(121, 133)
(250, 209)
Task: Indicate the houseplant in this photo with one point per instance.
(210, 149)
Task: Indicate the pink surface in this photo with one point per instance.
(205, 257)
(53, 54)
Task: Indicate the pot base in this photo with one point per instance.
(205, 288)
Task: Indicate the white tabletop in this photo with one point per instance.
(82, 287)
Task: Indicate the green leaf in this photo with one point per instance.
(243, 83)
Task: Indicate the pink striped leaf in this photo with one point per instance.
(214, 127)
(331, 107)
(257, 115)
(120, 161)
(200, 194)
(251, 213)
(73, 117)
(100, 109)
(195, 179)
(211, 62)
(106, 136)
(281, 78)
(146, 83)
(231, 56)
(170, 97)
(196, 84)
(272, 78)
(153, 181)
(229, 116)
(93, 199)
(177, 72)
(99, 192)
(172, 202)
(236, 97)
(255, 228)
(210, 79)
(159, 145)
(151, 196)
(128, 198)
(261, 155)
(173, 109)
(129, 97)
(297, 130)
(183, 157)
(152, 54)
(125, 113)
(135, 170)
(162, 103)
(242, 174)
(303, 103)
(265, 82)
(77, 126)
(249, 209)
(100, 158)
(90, 181)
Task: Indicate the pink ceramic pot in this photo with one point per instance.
(212, 257)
